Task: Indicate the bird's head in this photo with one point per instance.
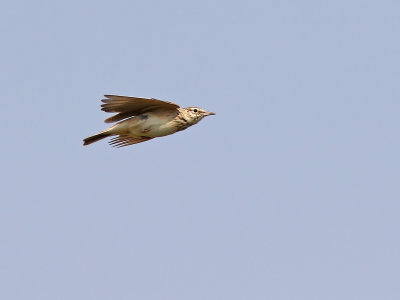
(195, 114)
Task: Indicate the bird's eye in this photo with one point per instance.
(195, 110)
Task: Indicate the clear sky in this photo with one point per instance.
(290, 192)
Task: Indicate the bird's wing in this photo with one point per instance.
(126, 107)
(123, 140)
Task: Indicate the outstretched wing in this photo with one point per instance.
(127, 107)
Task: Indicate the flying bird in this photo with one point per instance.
(142, 119)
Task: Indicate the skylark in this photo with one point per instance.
(143, 119)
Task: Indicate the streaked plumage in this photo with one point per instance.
(142, 119)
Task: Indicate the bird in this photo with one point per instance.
(142, 119)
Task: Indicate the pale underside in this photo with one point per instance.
(152, 124)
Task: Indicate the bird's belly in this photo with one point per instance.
(160, 130)
(153, 127)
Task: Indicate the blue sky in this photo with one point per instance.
(290, 192)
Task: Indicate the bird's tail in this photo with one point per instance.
(94, 138)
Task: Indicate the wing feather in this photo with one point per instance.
(127, 107)
(123, 140)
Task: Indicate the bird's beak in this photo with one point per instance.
(209, 113)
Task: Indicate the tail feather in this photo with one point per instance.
(94, 138)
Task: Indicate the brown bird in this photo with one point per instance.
(144, 119)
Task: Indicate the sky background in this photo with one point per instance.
(290, 192)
